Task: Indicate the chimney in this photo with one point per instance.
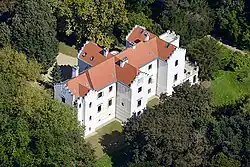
(105, 52)
(123, 62)
(146, 36)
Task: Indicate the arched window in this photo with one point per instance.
(150, 81)
(194, 79)
(90, 118)
(176, 62)
(80, 105)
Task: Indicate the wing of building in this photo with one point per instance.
(110, 85)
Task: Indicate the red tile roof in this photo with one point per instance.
(93, 54)
(145, 52)
(106, 70)
(138, 34)
(102, 75)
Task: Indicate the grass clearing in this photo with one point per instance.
(104, 161)
(154, 101)
(67, 50)
(226, 89)
(106, 139)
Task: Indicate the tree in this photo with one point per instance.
(93, 20)
(35, 129)
(172, 133)
(138, 6)
(33, 28)
(221, 160)
(207, 52)
(7, 5)
(5, 34)
(230, 134)
(56, 74)
(232, 21)
(133, 19)
(191, 19)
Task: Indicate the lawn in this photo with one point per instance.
(154, 101)
(226, 89)
(67, 50)
(107, 142)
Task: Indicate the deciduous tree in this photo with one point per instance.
(35, 129)
(172, 133)
(34, 31)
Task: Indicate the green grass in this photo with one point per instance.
(108, 134)
(104, 161)
(153, 102)
(67, 50)
(226, 89)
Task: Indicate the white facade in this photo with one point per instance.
(120, 101)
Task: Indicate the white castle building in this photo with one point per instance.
(115, 85)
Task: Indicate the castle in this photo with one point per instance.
(108, 85)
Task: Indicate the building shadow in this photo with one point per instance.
(113, 145)
(66, 72)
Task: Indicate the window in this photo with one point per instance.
(100, 95)
(89, 128)
(63, 99)
(150, 80)
(122, 104)
(185, 71)
(194, 79)
(99, 108)
(175, 77)
(109, 114)
(139, 89)
(80, 105)
(139, 113)
(139, 103)
(110, 102)
(176, 62)
(90, 118)
(150, 66)
(149, 91)
(110, 88)
(90, 104)
(99, 120)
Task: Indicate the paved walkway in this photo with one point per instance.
(63, 59)
(234, 49)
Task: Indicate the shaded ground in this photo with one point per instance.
(152, 102)
(109, 142)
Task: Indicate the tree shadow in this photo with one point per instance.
(113, 144)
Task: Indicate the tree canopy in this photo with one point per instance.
(172, 133)
(207, 52)
(35, 129)
(34, 31)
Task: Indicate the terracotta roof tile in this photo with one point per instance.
(102, 75)
(145, 52)
(108, 70)
(138, 34)
(93, 54)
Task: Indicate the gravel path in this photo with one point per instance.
(63, 59)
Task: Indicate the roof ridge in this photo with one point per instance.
(89, 79)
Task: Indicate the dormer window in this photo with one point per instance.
(91, 58)
(84, 54)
